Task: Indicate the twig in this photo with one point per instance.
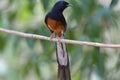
(27, 35)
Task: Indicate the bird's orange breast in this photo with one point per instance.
(56, 26)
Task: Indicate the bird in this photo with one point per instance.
(57, 25)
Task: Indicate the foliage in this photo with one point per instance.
(31, 59)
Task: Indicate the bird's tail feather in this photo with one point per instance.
(63, 61)
(63, 73)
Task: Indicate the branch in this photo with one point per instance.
(27, 35)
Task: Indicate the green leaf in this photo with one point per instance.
(113, 3)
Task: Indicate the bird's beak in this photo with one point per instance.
(69, 5)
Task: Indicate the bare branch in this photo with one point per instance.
(27, 35)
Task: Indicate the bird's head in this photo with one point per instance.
(60, 6)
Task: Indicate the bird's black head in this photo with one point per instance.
(60, 6)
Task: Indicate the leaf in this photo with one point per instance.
(113, 3)
(3, 40)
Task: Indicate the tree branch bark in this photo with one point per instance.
(28, 35)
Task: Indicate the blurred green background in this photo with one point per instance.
(32, 59)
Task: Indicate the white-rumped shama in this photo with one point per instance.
(56, 23)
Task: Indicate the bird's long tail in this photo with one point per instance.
(63, 61)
